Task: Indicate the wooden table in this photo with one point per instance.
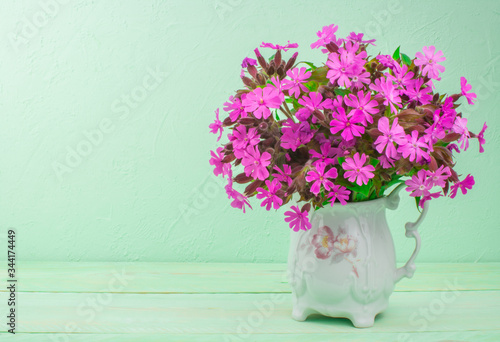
(237, 302)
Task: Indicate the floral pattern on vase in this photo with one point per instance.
(336, 245)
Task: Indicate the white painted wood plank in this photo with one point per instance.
(355, 336)
(232, 313)
(220, 278)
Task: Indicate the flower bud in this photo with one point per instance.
(270, 150)
(268, 142)
(306, 207)
(227, 122)
(455, 97)
(252, 187)
(228, 147)
(242, 178)
(270, 71)
(263, 127)
(374, 133)
(433, 164)
(252, 70)
(291, 189)
(260, 79)
(319, 115)
(446, 187)
(332, 47)
(300, 181)
(291, 62)
(435, 98)
(381, 67)
(451, 137)
(248, 82)
(261, 59)
(247, 121)
(281, 72)
(228, 158)
(454, 176)
(277, 58)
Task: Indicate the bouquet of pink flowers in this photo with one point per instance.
(342, 132)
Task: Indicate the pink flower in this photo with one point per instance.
(216, 160)
(480, 138)
(326, 35)
(270, 197)
(429, 197)
(386, 162)
(419, 184)
(216, 125)
(235, 108)
(295, 134)
(298, 220)
(298, 76)
(471, 97)
(389, 93)
(438, 177)
(363, 104)
(327, 152)
(311, 102)
(248, 61)
(283, 175)
(359, 77)
(260, 100)
(356, 171)
(395, 134)
(429, 60)
(467, 183)
(447, 119)
(338, 193)
(320, 177)
(255, 163)
(285, 47)
(323, 241)
(413, 147)
(358, 38)
(387, 60)
(241, 139)
(239, 200)
(339, 69)
(347, 125)
(434, 133)
(401, 77)
(415, 93)
(460, 127)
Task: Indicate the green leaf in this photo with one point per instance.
(271, 58)
(341, 92)
(277, 117)
(289, 100)
(341, 160)
(312, 85)
(405, 59)
(374, 162)
(396, 53)
(363, 189)
(395, 179)
(313, 67)
(417, 199)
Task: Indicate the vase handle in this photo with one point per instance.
(411, 231)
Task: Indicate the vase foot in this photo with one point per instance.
(363, 321)
(301, 314)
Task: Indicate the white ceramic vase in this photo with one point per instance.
(345, 265)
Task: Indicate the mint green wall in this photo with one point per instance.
(133, 86)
